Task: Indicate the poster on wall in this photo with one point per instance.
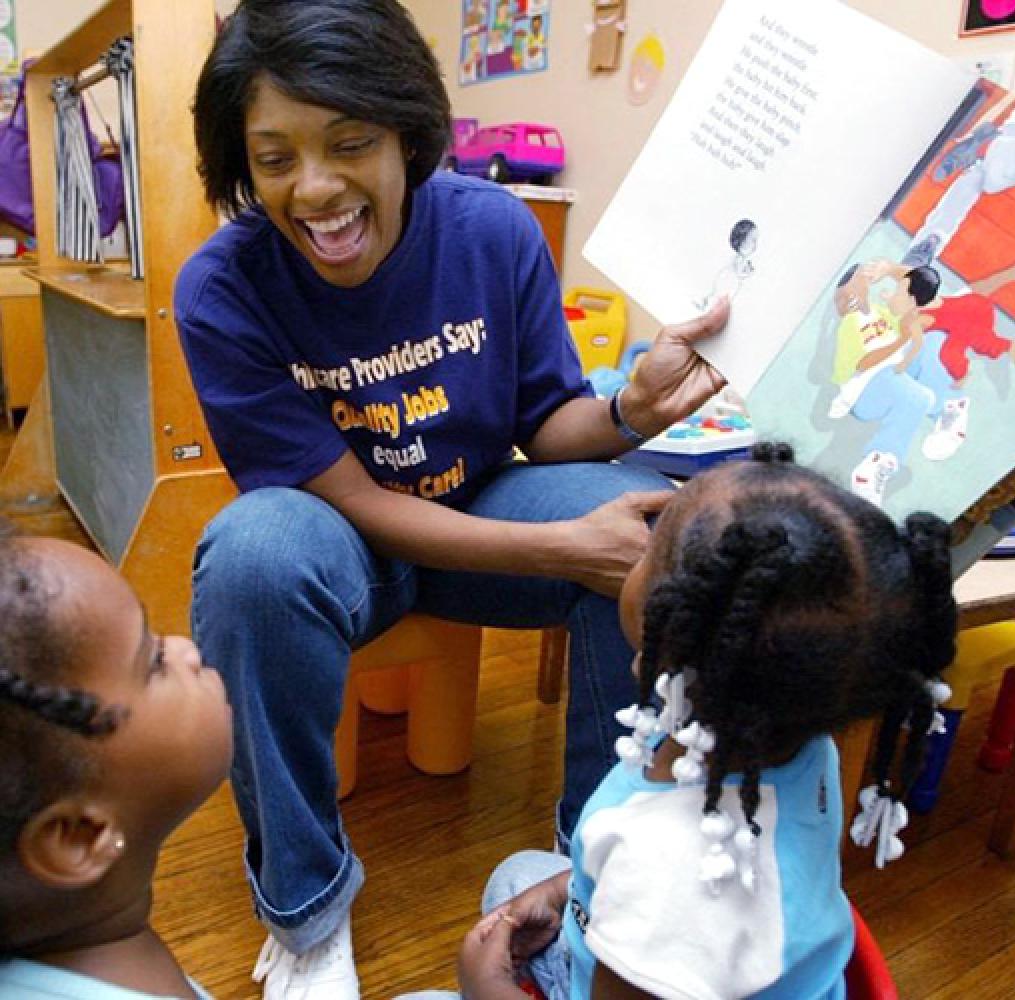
(502, 38)
(8, 58)
(979, 16)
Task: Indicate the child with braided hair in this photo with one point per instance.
(771, 609)
(109, 738)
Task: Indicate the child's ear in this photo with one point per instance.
(70, 844)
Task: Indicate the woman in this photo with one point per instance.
(369, 341)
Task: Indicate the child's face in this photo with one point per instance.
(174, 746)
(898, 298)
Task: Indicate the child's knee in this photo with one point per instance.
(519, 872)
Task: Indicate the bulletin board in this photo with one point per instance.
(502, 38)
(8, 57)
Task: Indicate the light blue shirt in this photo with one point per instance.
(638, 905)
(21, 979)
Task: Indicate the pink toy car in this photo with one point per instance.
(518, 151)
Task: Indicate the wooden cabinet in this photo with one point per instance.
(129, 449)
(549, 206)
(21, 352)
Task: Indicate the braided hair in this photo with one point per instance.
(42, 719)
(801, 608)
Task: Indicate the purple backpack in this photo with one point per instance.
(16, 173)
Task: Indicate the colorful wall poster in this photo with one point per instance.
(502, 38)
(8, 58)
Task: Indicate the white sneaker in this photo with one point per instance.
(871, 476)
(326, 972)
(949, 430)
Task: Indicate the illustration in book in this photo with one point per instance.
(902, 375)
(743, 239)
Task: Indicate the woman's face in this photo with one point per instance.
(334, 186)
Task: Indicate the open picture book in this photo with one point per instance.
(853, 193)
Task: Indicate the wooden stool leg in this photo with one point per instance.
(347, 739)
(996, 752)
(552, 660)
(1002, 834)
(442, 707)
(384, 691)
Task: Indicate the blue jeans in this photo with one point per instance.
(284, 590)
(551, 968)
(929, 371)
(898, 403)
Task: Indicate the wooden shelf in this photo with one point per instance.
(109, 290)
(138, 467)
(13, 281)
(83, 46)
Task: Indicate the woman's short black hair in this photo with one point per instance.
(365, 58)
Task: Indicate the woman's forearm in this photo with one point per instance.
(428, 534)
(581, 431)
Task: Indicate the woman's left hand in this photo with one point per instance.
(673, 380)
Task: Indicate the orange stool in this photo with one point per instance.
(429, 668)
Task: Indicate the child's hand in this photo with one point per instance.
(485, 968)
(536, 916)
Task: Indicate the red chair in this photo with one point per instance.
(867, 974)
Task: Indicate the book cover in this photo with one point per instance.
(869, 250)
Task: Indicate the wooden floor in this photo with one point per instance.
(944, 915)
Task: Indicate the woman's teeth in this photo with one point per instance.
(335, 224)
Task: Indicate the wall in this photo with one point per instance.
(42, 23)
(603, 133)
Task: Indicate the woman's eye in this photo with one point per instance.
(352, 146)
(272, 162)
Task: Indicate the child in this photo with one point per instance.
(110, 737)
(786, 608)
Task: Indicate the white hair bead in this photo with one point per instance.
(717, 825)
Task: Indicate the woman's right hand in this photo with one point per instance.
(608, 541)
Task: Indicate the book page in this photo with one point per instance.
(792, 128)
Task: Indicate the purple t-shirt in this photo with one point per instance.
(454, 350)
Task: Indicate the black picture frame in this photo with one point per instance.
(977, 21)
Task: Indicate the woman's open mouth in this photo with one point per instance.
(339, 238)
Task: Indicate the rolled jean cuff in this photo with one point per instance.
(316, 920)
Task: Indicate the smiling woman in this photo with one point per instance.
(370, 341)
(333, 185)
